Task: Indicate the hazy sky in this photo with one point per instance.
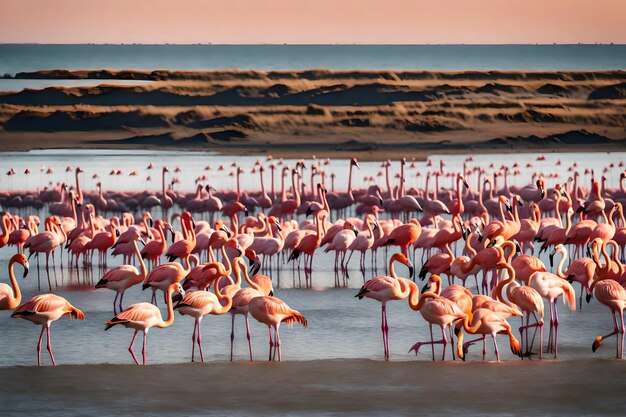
(313, 21)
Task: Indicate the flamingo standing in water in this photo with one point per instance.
(551, 287)
(260, 285)
(143, 316)
(273, 311)
(388, 288)
(122, 277)
(435, 310)
(43, 309)
(11, 296)
(198, 304)
(613, 295)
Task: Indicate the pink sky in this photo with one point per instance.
(313, 21)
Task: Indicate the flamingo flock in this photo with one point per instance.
(204, 253)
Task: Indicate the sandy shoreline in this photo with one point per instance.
(587, 387)
(375, 114)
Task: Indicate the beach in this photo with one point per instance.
(377, 114)
(355, 387)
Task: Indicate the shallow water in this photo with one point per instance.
(194, 165)
(335, 366)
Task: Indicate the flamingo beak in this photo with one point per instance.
(245, 211)
(280, 229)
(543, 193)
(376, 225)
(411, 269)
(177, 297)
(271, 293)
(117, 232)
(425, 288)
(466, 185)
(308, 211)
(552, 260)
(150, 221)
(509, 208)
(356, 233)
(142, 241)
(588, 297)
(26, 267)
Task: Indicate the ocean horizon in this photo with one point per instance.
(16, 58)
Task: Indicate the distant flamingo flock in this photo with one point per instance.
(476, 249)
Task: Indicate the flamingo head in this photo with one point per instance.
(273, 220)
(21, 259)
(235, 245)
(251, 255)
(355, 162)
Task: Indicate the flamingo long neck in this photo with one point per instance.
(144, 271)
(170, 311)
(320, 220)
(100, 194)
(559, 267)
(350, 180)
(436, 193)
(238, 184)
(283, 193)
(295, 187)
(198, 192)
(79, 193)
(5, 230)
(226, 263)
(273, 193)
(422, 298)
(163, 184)
(246, 276)
(389, 188)
(458, 193)
(401, 189)
(17, 298)
(229, 300)
(73, 206)
(502, 217)
(148, 229)
(370, 237)
(426, 191)
(262, 183)
(437, 281)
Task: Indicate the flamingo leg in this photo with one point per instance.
(269, 328)
(121, 298)
(130, 348)
(144, 350)
(432, 343)
(39, 346)
(200, 339)
(550, 333)
(278, 344)
(621, 351)
(452, 341)
(115, 303)
(556, 331)
(495, 346)
(49, 337)
(248, 336)
(232, 335)
(193, 340)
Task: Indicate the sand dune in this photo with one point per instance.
(333, 111)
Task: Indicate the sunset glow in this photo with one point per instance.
(320, 21)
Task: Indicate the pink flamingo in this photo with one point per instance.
(182, 248)
(613, 295)
(122, 277)
(198, 304)
(385, 289)
(551, 287)
(43, 309)
(273, 311)
(528, 300)
(438, 311)
(340, 245)
(11, 296)
(46, 242)
(143, 316)
(581, 270)
(260, 285)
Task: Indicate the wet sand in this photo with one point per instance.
(570, 388)
(376, 114)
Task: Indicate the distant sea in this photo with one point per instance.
(31, 57)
